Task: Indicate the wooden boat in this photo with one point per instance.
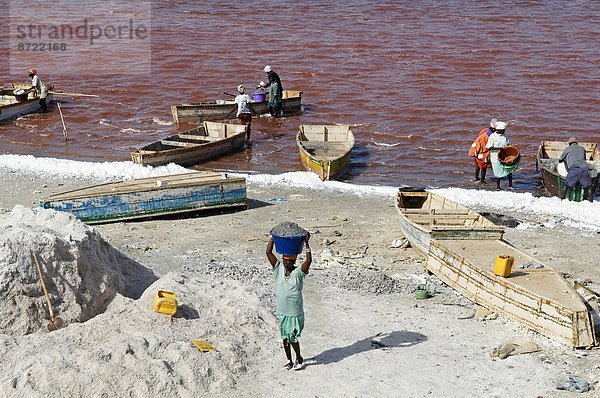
(197, 113)
(151, 197)
(461, 247)
(325, 149)
(12, 105)
(554, 174)
(208, 141)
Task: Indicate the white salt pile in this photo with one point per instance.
(83, 273)
(132, 351)
(112, 343)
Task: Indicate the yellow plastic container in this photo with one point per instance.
(165, 303)
(503, 266)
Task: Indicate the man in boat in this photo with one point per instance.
(497, 141)
(275, 104)
(577, 167)
(243, 112)
(40, 88)
(289, 281)
(480, 152)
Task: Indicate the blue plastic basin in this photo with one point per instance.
(259, 97)
(288, 245)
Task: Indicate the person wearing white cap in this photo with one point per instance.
(574, 156)
(480, 152)
(275, 92)
(243, 111)
(497, 141)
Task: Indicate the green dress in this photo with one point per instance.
(290, 306)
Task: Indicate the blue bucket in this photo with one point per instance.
(289, 245)
(259, 97)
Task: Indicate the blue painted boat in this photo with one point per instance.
(151, 197)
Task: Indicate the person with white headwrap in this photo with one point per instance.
(275, 104)
(242, 101)
(243, 111)
(480, 152)
(497, 141)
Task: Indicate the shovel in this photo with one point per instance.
(55, 322)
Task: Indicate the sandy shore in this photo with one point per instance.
(366, 334)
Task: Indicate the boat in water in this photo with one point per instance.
(196, 113)
(325, 149)
(207, 141)
(14, 104)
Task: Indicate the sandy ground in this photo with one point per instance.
(366, 334)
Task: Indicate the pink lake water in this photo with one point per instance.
(416, 81)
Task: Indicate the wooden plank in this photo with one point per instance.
(179, 143)
(467, 228)
(434, 216)
(131, 186)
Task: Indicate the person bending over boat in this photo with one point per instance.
(289, 281)
(243, 113)
(574, 156)
(40, 88)
(275, 104)
(480, 152)
(497, 141)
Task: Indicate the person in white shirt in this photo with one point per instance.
(243, 112)
(497, 141)
(40, 88)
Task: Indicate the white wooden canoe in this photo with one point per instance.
(151, 197)
(11, 108)
(208, 141)
(461, 247)
(226, 109)
(325, 149)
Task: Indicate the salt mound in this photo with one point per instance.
(83, 273)
(132, 351)
(288, 228)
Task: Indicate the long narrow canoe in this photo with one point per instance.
(205, 142)
(325, 149)
(11, 108)
(554, 174)
(151, 197)
(197, 113)
(461, 247)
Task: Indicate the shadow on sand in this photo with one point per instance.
(379, 341)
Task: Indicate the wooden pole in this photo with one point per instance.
(73, 94)
(65, 134)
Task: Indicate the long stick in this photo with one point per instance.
(65, 134)
(73, 94)
(44, 286)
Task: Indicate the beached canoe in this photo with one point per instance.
(554, 173)
(325, 149)
(151, 197)
(226, 109)
(12, 106)
(461, 247)
(205, 142)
